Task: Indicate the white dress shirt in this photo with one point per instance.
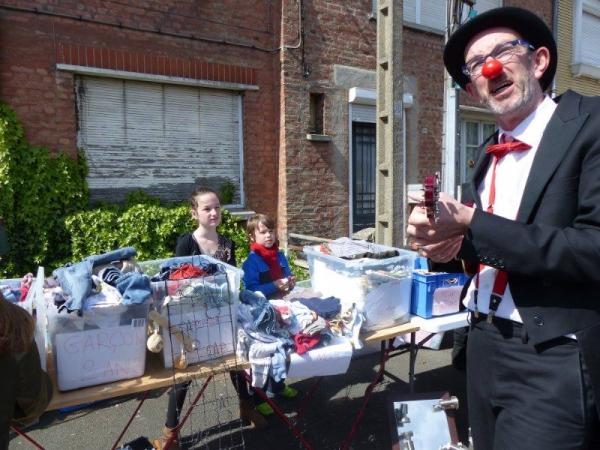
(512, 173)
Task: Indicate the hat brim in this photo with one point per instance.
(529, 26)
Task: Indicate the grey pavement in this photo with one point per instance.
(215, 424)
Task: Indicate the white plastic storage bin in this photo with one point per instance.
(201, 313)
(104, 344)
(14, 284)
(35, 292)
(380, 288)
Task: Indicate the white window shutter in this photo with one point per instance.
(409, 11)
(433, 14)
(157, 137)
(363, 113)
(590, 39)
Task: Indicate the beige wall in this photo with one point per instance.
(564, 38)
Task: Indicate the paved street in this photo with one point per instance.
(215, 422)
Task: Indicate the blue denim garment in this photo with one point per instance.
(263, 315)
(10, 295)
(265, 320)
(76, 283)
(112, 256)
(253, 298)
(134, 287)
(327, 308)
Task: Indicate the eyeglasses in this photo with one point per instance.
(503, 53)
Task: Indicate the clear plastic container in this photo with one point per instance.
(105, 344)
(380, 288)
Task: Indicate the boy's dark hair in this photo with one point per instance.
(199, 190)
(253, 222)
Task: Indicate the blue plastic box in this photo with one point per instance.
(421, 263)
(427, 301)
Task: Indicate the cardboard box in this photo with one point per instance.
(436, 293)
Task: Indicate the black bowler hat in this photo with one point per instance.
(531, 28)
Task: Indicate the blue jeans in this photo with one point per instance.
(134, 287)
(76, 282)
(76, 279)
(112, 256)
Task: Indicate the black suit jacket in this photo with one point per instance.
(552, 250)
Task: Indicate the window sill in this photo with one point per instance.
(319, 137)
(425, 28)
(242, 214)
(585, 70)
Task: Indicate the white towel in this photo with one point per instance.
(260, 360)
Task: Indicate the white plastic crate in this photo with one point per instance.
(14, 284)
(105, 344)
(380, 288)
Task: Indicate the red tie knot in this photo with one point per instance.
(508, 144)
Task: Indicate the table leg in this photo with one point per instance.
(280, 414)
(412, 361)
(24, 435)
(386, 348)
(143, 399)
(308, 397)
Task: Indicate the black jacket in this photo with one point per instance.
(552, 250)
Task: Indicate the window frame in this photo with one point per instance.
(417, 23)
(127, 85)
(481, 121)
(579, 66)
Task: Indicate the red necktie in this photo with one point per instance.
(507, 144)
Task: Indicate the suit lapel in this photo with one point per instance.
(556, 141)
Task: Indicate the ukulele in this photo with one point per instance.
(431, 186)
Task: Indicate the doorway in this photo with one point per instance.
(363, 175)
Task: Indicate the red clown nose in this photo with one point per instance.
(492, 69)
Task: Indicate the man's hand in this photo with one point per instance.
(453, 220)
(442, 252)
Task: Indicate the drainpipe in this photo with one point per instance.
(407, 102)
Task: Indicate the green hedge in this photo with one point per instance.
(37, 191)
(150, 228)
(45, 211)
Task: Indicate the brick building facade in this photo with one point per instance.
(280, 64)
(229, 45)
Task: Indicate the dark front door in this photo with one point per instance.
(363, 175)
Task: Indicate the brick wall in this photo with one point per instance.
(304, 183)
(209, 40)
(423, 63)
(314, 175)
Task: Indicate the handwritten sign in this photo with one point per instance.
(211, 331)
(90, 357)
